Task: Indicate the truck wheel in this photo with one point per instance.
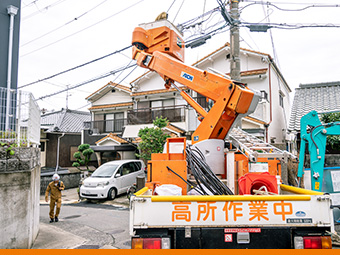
(112, 194)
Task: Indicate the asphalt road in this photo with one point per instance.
(99, 224)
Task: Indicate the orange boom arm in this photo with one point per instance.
(158, 47)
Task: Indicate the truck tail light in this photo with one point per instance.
(137, 243)
(150, 243)
(313, 242)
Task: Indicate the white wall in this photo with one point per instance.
(127, 154)
(152, 82)
(280, 115)
(113, 98)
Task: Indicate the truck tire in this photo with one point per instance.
(112, 194)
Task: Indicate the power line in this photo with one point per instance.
(76, 67)
(45, 8)
(171, 6)
(82, 29)
(292, 10)
(290, 26)
(27, 5)
(87, 82)
(128, 74)
(178, 11)
(67, 23)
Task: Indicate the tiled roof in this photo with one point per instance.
(157, 91)
(114, 137)
(65, 121)
(321, 97)
(253, 72)
(105, 106)
(109, 85)
(175, 129)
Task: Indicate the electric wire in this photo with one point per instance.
(290, 26)
(171, 6)
(41, 10)
(128, 74)
(67, 23)
(216, 31)
(206, 179)
(76, 67)
(205, 1)
(178, 11)
(292, 10)
(189, 23)
(68, 36)
(87, 82)
(122, 71)
(192, 186)
(27, 5)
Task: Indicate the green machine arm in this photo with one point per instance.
(315, 133)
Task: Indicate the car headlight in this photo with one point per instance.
(102, 184)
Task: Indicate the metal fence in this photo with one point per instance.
(19, 118)
(148, 115)
(106, 126)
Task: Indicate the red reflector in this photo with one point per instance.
(152, 243)
(312, 242)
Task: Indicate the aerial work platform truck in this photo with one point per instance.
(185, 203)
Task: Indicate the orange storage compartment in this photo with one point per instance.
(251, 181)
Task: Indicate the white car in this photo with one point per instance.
(112, 178)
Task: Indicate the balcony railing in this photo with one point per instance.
(135, 117)
(148, 115)
(106, 126)
(202, 101)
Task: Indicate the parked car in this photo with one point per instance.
(112, 178)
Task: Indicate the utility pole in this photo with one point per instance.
(235, 63)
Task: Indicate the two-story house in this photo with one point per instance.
(121, 110)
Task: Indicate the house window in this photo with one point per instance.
(281, 96)
(42, 146)
(114, 122)
(264, 95)
(143, 105)
(168, 102)
(156, 104)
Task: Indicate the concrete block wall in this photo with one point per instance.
(331, 160)
(19, 197)
(70, 180)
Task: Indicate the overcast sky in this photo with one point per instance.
(60, 34)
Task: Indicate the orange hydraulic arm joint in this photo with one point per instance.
(159, 47)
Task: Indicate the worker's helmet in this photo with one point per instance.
(56, 177)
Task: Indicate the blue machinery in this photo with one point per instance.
(315, 134)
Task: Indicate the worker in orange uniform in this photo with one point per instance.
(55, 187)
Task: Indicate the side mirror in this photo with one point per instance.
(118, 175)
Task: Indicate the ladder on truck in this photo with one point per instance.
(254, 148)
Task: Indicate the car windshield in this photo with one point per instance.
(104, 171)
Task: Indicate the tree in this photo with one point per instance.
(83, 156)
(153, 139)
(333, 141)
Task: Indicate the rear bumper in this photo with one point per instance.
(229, 238)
